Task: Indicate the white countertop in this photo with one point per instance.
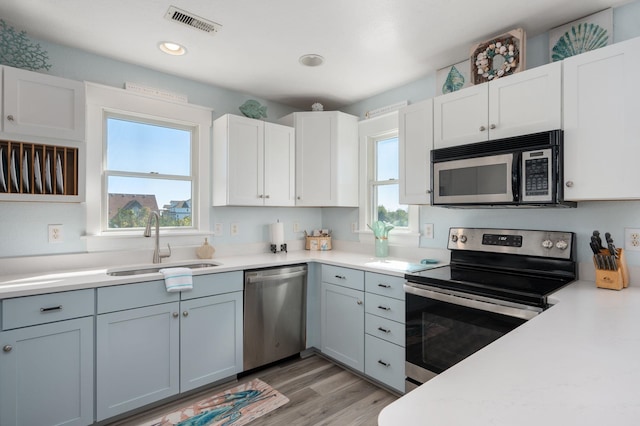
(30, 283)
(576, 364)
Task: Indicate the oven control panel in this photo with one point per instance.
(555, 244)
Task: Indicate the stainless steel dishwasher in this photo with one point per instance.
(274, 314)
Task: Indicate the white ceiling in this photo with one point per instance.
(369, 46)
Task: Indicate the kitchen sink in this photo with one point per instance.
(156, 268)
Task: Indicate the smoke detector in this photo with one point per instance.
(191, 20)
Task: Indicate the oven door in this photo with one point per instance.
(442, 329)
(475, 180)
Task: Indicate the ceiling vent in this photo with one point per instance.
(187, 18)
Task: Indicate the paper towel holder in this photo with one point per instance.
(274, 248)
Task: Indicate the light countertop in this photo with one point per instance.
(578, 363)
(30, 283)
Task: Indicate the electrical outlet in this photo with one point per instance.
(219, 229)
(296, 227)
(428, 231)
(354, 227)
(234, 229)
(632, 239)
(55, 234)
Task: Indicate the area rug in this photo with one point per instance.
(234, 407)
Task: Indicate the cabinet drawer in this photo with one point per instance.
(344, 277)
(44, 308)
(385, 329)
(129, 296)
(384, 362)
(214, 284)
(384, 285)
(385, 307)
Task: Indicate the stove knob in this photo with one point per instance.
(454, 238)
(547, 244)
(463, 238)
(562, 244)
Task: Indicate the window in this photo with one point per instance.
(380, 185)
(142, 154)
(147, 168)
(385, 187)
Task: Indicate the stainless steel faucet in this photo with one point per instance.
(157, 256)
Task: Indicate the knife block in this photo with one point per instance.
(614, 280)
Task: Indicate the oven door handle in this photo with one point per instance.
(522, 313)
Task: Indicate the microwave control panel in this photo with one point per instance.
(537, 180)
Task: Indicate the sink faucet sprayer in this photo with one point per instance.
(157, 256)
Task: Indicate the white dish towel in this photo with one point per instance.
(178, 279)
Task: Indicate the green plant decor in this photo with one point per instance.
(16, 50)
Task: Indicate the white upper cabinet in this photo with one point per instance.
(416, 143)
(602, 123)
(522, 103)
(253, 163)
(326, 158)
(39, 107)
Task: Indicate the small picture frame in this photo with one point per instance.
(453, 78)
(582, 35)
(498, 56)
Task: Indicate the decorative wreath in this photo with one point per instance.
(484, 59)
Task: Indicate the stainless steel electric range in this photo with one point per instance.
(497, 280)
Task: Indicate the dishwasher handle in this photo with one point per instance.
(276, 277)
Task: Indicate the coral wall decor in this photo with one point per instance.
(16, 50)
(581, 35)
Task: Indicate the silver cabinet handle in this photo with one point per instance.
(10, 118)
(185, 314)
(7, 348)
(569, 184)
(359, 302)
(299, 197)
(428, 191)
(386, 364)
(267, 196)
(493, 126)
(175, 315)
(51, 309)
(482, 128)
(384, 308)
(341, 277)
(384, 285)
(260, 196)
(384, 330)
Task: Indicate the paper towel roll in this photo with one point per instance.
(277, 233)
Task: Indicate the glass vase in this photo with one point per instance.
(382, 247)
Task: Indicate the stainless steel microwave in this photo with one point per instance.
(518, 171)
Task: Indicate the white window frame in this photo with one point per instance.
(370, 131)
(103, 101)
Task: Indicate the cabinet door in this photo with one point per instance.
(601, 126)
(47, 374)
(210, 339)
(526, 102)
(416, 143)
(342, 325)
(461, 117)
(137, 358)
(246, 165)
(279, 165)
(385, 362)
(315, 134)
(42, 105)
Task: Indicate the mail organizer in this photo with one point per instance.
(611, 271)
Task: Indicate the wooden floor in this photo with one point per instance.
(319, 392)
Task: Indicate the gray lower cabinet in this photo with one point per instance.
(342, 315)
(385, 329)
(152, 345)
(46, 369)
(137, 357)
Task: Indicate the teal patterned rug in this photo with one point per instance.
(234, 407)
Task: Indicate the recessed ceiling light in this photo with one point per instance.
(172, 48)
(311, 60)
